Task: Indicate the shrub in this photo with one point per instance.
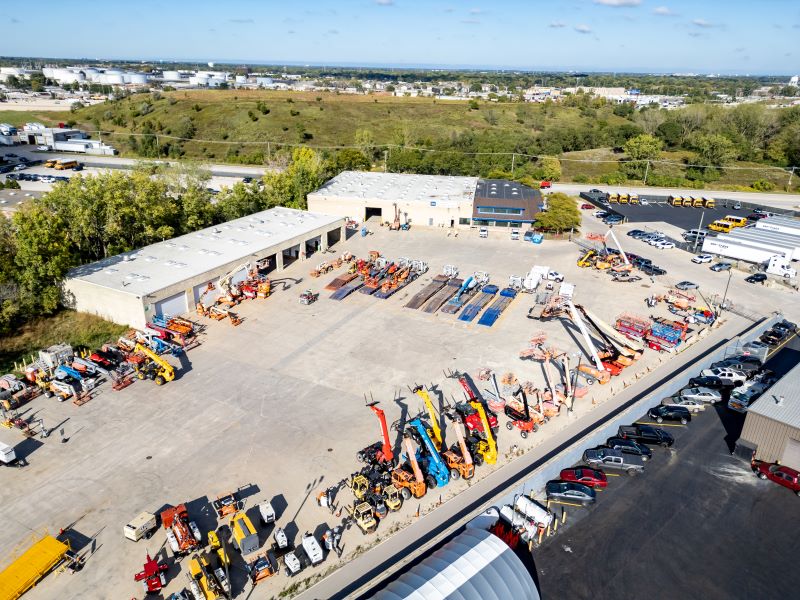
(580, 179)
(762, 185)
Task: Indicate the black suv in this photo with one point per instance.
(756, 278)
(629, 446)
(663, 413)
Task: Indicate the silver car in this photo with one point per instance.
(693, 405)
(701, 394)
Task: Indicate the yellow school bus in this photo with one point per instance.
(633, 199)
(623, 198)
(735, 221)
(676, 201)
(62, 165)
(612, 198)
(709, 203)
(721, 226)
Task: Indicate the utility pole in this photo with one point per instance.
(513, 161)
(725, 295)
(385, 155)
(699, 227)
(269, 155)
(646, 170)
(791, 175)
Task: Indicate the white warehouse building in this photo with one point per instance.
(429, 200)
(168, 278)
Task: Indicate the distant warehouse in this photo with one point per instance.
(169, 277)
(427, 200)
(772, 426)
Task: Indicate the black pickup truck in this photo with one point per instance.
(646, 434)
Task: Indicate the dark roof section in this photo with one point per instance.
(505, 194)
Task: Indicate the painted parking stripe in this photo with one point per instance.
(660, 424)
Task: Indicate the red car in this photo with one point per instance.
(591, 477)
(779, 474)
(545, 185)
(587, 206)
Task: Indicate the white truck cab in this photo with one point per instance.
(483, 232)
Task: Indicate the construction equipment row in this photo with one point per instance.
(216, 301)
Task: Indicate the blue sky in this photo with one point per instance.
(726, 36)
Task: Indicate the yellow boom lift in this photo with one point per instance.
(486, 448)
(156, 369)
(435, 432)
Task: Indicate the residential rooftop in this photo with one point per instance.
(158, 266)
(399, 187)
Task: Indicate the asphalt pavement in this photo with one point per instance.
(696, 524)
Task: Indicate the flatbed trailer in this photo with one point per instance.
(502, 302)
(340, 281)
(483, 298)
(425, 293)
(443, 295)
(390, 292)
(451, 307)
(31, 566)
(344, 291)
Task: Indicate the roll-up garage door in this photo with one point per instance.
(210, 297)
(174, 305)
(791, 454)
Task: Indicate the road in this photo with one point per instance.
(787, 201)
(398, 550)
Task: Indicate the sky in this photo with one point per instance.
(702, 36)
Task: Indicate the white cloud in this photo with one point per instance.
(702, 23)
(583, 29)
(557, 25)
(618, 3)
(471, 21)
(333, 31)
(664, 11)
(384, 2)
(475, 11)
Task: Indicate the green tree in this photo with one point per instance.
(643, 147)
(562, 214)
(548, 169)
(365, 141)
(350, 159)
(712, 149)
(670, 132)
(185, 129)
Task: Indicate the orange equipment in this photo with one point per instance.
(409, 484)
(183, 535)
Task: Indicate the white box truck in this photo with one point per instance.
(7, 454)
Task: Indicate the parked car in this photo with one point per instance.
(591, 477)
(644, 201)
(629, 446)
(20, 167)
(691, 404)
(600, 214)
(635, 232)
(726, 374)
(737, 206)
(686, 285)
(773, 337)
(664, 245)
(43, 148)
(587, 206)
(701, 394)
(641, 261)
(721, 266)
(646, 434)
(756, 278)
(756, 216)
(702, 258)
(748, 368)
(247, 180)
(78, 167)
(570, 490)
(708, 382)
(613, 459)
(787, 325)
(654, 270)
(780, 474)
(663, 413)
(755, 346)
(613, 220)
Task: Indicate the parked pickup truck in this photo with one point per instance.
(646, 434)
(608, 458)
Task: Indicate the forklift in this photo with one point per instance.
(363, 516)
(522, 420)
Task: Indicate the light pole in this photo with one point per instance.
(725, 295)
(699, 227)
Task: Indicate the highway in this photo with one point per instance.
(365, 571)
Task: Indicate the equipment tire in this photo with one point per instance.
(523, 434)
(405, 493)
(48, 394)
(140, 375)
(659, 420)
(762, 475)
(159, 380)
(454, 474)
(631, 472)
(430, 481)
(509, 426)
(477, 459)
(683, 421)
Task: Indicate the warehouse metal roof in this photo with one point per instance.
(475, 565)
(786, 411)
(166, 263)
(400, 187)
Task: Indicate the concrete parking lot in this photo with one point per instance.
(277, 405)
(696, 524)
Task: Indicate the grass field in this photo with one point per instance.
(19, 118)
(77, 329)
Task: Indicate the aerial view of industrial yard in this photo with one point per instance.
(399, 300)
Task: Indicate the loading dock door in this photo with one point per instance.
(210, 296)
(172, 306)
(791, 454)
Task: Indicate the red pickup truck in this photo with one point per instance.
(779, 474)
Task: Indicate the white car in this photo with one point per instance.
(664, 245)
(20, 167)
(701, 394)
(600, 214)
(644, 202)
(725, 374)
(702, 258)
(43, 148)
(692, 405)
